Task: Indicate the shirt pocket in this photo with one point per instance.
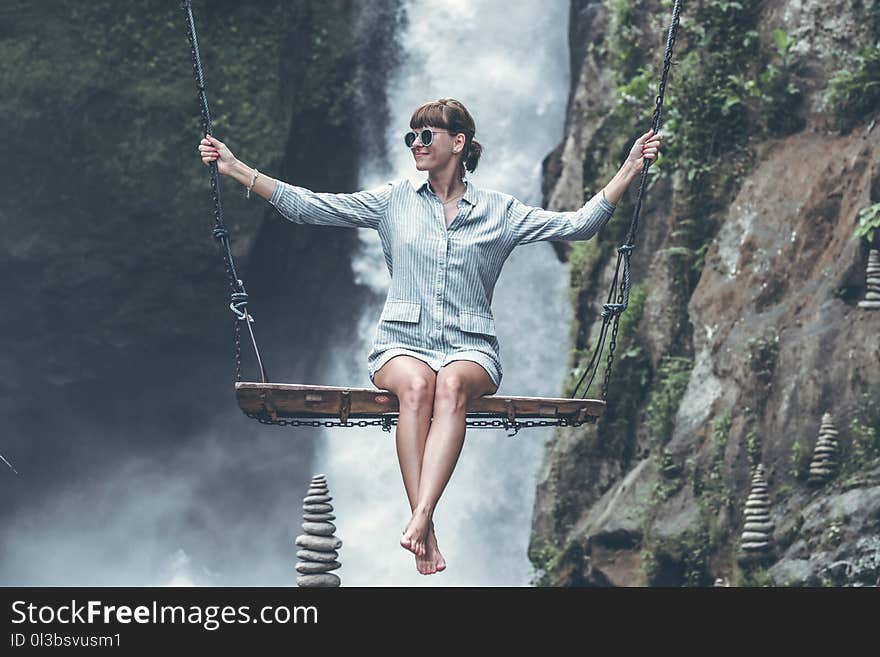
(399, 310)
(476, 321)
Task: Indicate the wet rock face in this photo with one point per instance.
(834, 539)
(822, 33)
(775, 335)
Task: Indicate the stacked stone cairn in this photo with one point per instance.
(872, 283)
(317, 554)
(824, 464)
(757, 536)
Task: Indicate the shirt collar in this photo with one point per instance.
(470, 193)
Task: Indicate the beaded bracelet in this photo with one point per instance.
(256, 173)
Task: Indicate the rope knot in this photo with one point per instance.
(238, 303)
(626, 248)
(220, 232)
(610, 309)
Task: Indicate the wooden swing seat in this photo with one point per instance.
(295, 400)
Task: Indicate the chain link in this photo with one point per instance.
(387, 422)
(237, 293)
(626, 249)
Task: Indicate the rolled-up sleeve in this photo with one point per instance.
(363, 209)
(530, 224)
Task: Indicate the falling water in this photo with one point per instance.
(508, 63)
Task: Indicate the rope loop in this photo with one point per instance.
(611, 309)
(238, 302)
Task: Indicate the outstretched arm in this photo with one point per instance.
(531, 224)
(363, 209)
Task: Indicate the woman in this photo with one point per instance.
(435, 344)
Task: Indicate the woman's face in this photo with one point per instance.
(439, 152)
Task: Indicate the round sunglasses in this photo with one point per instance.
(426, 136)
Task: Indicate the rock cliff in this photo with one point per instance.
(744, 327)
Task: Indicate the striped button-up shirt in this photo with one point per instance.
(439, 303)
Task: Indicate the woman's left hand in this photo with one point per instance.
(646, 146)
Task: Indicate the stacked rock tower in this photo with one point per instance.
(824, 464)
(757, 536)
(872, 293)
(317, 554)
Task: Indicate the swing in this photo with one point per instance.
(293, 404)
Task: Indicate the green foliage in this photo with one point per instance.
(729, 87)
(783, 44)
(799, 460)
(854, 92)
(720, 431)
(623, 34)
(628, 348)
(866, 442)
(632, 373)
(629, 381)
(864, 427)
(636, 89)
(777, 90)
(545, 558)
(650, 565)
(772, 93)
(869, 222)
(630, 318)
(705, 115)
(833, 536)
(754, 577)
(763, 353)
(681, 561)
(672, 378)
(582, 258)
(709, 487)
(548, 559)
(785, 538)
(670, 481)
(128, 68)
(754, 447)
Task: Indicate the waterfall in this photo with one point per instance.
(508, 63)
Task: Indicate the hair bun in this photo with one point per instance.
(474, 151)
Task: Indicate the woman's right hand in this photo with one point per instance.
(213, 150)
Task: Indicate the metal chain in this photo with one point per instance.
(387, 422)
(612, 312)
(237, 293)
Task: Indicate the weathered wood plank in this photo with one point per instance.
(286, 400)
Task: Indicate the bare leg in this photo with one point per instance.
(413, 383)
(456, 384)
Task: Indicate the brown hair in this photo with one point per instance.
(450, 114)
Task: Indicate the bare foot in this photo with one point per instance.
(416, 531)
(433, 561)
